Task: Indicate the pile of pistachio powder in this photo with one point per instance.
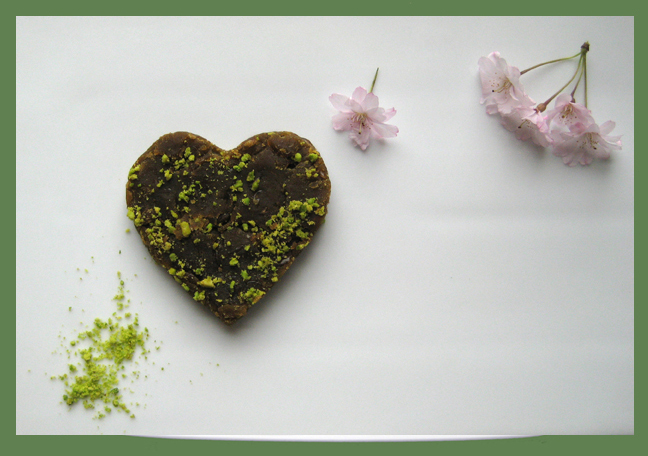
(102, 353)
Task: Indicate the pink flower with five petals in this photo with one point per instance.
(528, 123)
(568, 113)
(502, 90)
(583, 143)
(362, 117)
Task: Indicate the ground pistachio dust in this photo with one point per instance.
(102, 353)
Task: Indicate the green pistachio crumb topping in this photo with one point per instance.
(252, 295)
(207, 283)
(186, 229)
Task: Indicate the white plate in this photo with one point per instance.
(464, 282)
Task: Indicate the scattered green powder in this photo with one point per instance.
(103, 353)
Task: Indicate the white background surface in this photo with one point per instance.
(464, 283)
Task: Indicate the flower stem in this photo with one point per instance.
(581, 68)
(576, 86)
(547, 63)
(374, 81)
(585, 73)
(580, 76)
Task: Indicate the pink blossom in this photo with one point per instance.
(528, 123)
(567, 113)
(502, 90)
(362, 117)
(583, 143)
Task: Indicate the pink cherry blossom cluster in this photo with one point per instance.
(568, 128)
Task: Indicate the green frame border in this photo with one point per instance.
(162, 446)
(530, 446)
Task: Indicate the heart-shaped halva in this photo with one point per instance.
(227, 224)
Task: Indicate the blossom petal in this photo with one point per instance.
(515, 101)
(343, 121)
(492, 108)
(370, 102)
(586, 159)
(572, 159)
(340, 102)
(389, 113)
(562, 100)
(607, 127)
(381, 130)
(614, 142)
(376, 114)
(361, 137)
(380, 115)
(359, 94)
(355, 106)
